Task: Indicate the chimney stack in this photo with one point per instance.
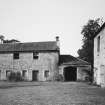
(57, 38)
(57, 41)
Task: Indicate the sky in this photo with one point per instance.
(43, 20)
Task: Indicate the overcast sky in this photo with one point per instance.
(43, 20)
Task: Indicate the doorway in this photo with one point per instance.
(35, 74)
(24, 74)
(70, 74)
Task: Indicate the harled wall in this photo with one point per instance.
(46, 61)
(99, 60)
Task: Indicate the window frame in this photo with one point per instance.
(98, 44)
(0, 74)
(16, 55)
(35, 55)
(46, 73)
(8, 73)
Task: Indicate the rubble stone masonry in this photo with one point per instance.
(46, 61)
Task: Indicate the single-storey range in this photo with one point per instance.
(74, 69)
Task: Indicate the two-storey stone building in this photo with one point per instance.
(35, 60)
(99, 57)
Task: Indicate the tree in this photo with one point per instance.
(11, 41)
(89, 30)
(2, 38)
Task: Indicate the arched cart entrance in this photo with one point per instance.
(70, 73)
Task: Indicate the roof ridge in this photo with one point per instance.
(83, 60)
(28, 42)
(29, 46)
(38, 42)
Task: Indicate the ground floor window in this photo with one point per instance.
(0, 74)
(8, 73)
(46, 74)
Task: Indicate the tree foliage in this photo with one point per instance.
(11, 41)
(89, 31)
(2, 38)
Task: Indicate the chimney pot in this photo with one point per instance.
(57, 38)
(57, 41)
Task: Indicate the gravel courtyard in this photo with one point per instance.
(52, 93)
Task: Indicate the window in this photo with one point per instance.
(46, 74)
(8, 73)
(98, 44)
(0, 74)
(16, 55)
(35, 55)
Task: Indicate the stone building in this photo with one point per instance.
(36, 60)
(99, 57)
(40, 61)
(74, 69)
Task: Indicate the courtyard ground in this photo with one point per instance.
(52, 93)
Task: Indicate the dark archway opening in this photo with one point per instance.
(70, 74)
(35, 75)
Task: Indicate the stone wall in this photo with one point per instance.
(99, 59)
(46, 61)
(82, 73)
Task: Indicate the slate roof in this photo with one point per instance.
(70, 60)
(31, 46)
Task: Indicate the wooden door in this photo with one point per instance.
(35, 74)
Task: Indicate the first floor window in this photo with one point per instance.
(16, 55)
(35, 55)
(46, 74)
